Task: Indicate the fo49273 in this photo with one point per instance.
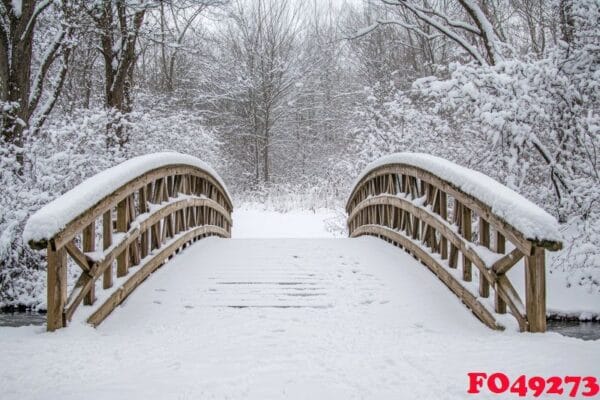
(500, 383)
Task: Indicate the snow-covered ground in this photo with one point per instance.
(282, 318)
(257, 223)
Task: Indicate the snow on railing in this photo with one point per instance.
(436, 210)
(146, 209)
(523, 215)
(54, 216)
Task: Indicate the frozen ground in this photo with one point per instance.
(281, 318)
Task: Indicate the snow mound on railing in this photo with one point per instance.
(516, 210)
(54, 216)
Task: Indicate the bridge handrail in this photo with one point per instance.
(146, 209)
(429, 205)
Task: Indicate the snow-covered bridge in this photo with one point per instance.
(357, 317)
(148, 209)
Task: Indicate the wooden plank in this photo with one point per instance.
(122, 227)
(443, 211)
(57, 288)
(107, 279)
(143, 200)
(484, 240)
(511, 298)
(89, 245)
(467, 234)
(77, 256)
(535, 290)
(504, 264)
(145, 243)
(499, 304)
(155, 238)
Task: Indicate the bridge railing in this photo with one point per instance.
(451, 218)
(133, 217)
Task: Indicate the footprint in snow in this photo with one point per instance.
(188, 307)
(160, 290)
(157, 302)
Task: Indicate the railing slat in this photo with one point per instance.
(107, 280)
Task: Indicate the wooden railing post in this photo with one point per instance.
(466, 232)
(499, 304)
(57, 288)
(443, 206)
(123, 258)
(89, 245)
(535, 290)
(484, 240)
(107, 227)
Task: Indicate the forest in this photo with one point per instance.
(288, 100)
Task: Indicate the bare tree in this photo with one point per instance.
(256, 68)
(470, 28)
(175, 20)
(22, 88)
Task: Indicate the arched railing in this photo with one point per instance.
(451, 218)
(133, 216)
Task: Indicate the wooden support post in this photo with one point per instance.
(107, 280)
(484, 240)
(142, 199)
(57, 288)
(134, 248)
(499, 304)
(443, 206)
(145, 243)
(466, 232)
(123, 258)
(500, 243)
(535, 290)
(416, 228)
(89, 245)
(155, 236)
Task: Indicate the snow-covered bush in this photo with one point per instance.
(71, 148)
(532, 122)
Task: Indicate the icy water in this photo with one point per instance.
(578, 329)
(585, 330)
(22, 319)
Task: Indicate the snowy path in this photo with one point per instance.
(281, 318)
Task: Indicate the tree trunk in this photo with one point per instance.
(15, 71)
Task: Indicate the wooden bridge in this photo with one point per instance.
(121, 225)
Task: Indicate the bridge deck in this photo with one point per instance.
(273, 318)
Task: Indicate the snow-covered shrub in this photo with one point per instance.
(68, 150)
(533, 123)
